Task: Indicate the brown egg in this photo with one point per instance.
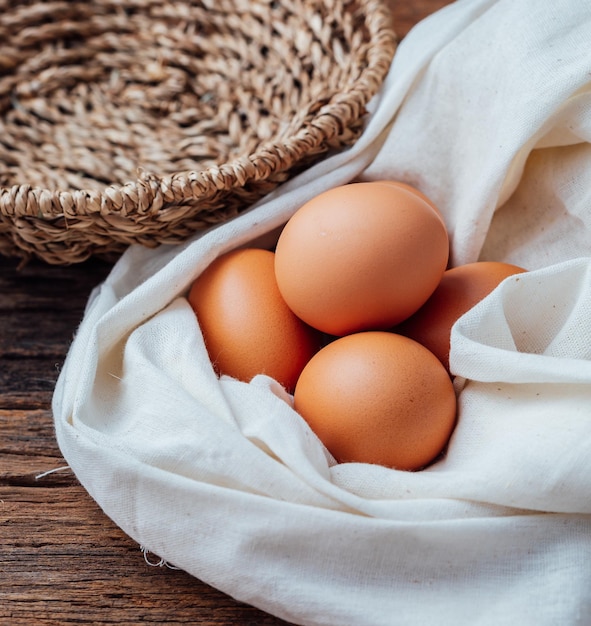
(414, 190)
(247, 327)
(362, 256)
(460, 289)
(378, 397)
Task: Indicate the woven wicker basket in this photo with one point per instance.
(143, 121)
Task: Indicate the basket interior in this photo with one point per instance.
(93, 92)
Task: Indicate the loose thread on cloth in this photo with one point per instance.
(52, 471)
(160, 563)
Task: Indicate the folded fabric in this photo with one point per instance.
(486, 109)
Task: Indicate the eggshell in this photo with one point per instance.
(378, 397)
(247, 326)
(412, 189)
(362, 256)
(460, 289)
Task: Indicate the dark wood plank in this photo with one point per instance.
(62, 560)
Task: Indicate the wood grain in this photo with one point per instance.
(63, 561)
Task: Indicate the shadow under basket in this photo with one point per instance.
(144, 121)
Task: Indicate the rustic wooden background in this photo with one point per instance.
(62, 561)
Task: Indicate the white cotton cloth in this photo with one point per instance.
(487, 109)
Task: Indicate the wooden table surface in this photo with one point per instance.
(62, 560)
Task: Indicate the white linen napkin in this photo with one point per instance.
(487, 109)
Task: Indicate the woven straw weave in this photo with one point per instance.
(143, 121)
